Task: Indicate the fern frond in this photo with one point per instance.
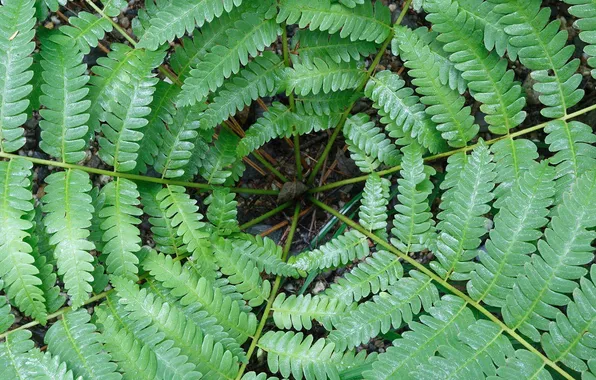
(521, 217)
(413, 227)
(13, 355)
(339, 251)
(316, 44)
(79, 345)
(373, 208)
(222, 211)
(542, 48)
(444, 105)
(176, 143)
(293, 355)
(463, 222)
(362, 22)
(69, 210)
(323, 76)
(255, 376)
(407, 114)
(6, 317)
(126, 111)
(17, 19)
(264, 253)
(20, 276)
(575, 152)
(488, 78)
(379, 271)
(191, 289)
(162, 114)
(260, 78)
(564, 250)
(175, 19)
(585, 11)
(243, 274)
(399, 304)
(569, 339)
(370, 139)
(305, 123)
(445, 320)
(299, 311)
(209, 356)
(64, 118)
(481, 349)
(121, 236)
(513, 158)
(525, 365)
(365, 163)
(219, 165)
(322, 104)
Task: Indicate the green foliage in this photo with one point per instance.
(373, 210)
(584, 10)
(316, 44)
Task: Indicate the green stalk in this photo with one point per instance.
(346, 113)
(274, 290)
(395, 169)
(266, 164)
(137, 177)
(443, 283)
(267, 215)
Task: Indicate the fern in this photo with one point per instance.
(584, 11)
(315, 44)
(222, 212)
(220, 160)
(17, 20)
(326, 76)
(300, 311)
(370, 139)
(373, 211)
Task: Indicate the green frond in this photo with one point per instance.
(13, 355)
(525, 365)
(161, 115)
(296, 356)
(481, 349)
(255, 376)
(513, 158)
(462, 223)
(43, 254)
(86, 29)
(370, 139)
(175, 19)
(6, 317)
(403, 300)
(191, 289)
(350, 3)
(444, 105)
(135, 360)
(339, 251)
(17, 19)
(379, 271)
(176, 142)
(121, 236)
(242, 273)
(80, 346)
(373, 208)
(201, 143)
(518, 224)
(323, 76)
(573, 143)
(407, 114)
(126, 110)
(21, 282)
(264, 253)
(221, 164)
(488, 79)
(445, 320)
(171, 363)
(585, 11)
(361, 22)
(306, 123)
(309, 45)
(63, 128)
(262, 77)
(69, 210)
(365, 163)
(299, 311)
(413, 227)
(321, 104)
(543, 48)
(222, 211)
(208, 356)
(563, 252)
(570, 337)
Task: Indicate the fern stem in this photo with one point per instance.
(274, 290)
(268, 165)
(137, 177)
(439, 156)
(269, 214)
(443, 283)
(365, 80)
